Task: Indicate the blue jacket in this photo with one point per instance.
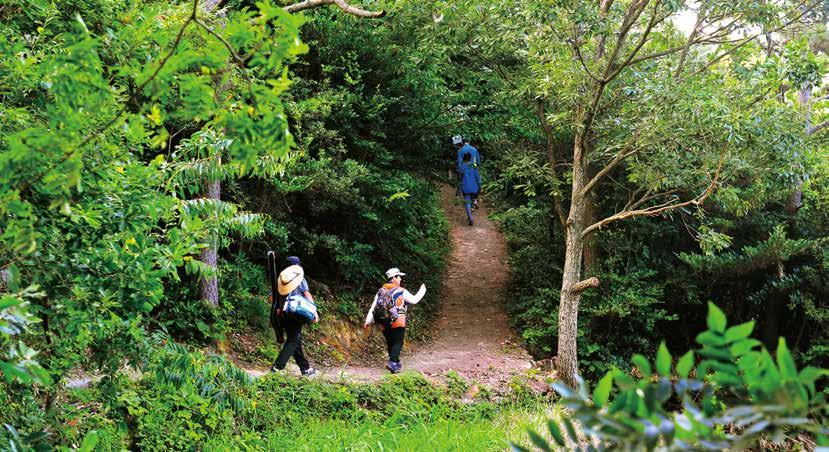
(471, 179)
(468, 149)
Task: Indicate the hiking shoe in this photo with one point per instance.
(398, 368)
(309, 372)
(475, 205)
(471, 223)
(393, 367)
(275, 370)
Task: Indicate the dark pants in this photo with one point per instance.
(394, 342)
(293, 343)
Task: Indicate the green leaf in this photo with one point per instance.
(663, 360)
(716, 319)
(743, 346)
(810, 374)
(571, 430)
(642, 364)
(539, 442)
(685, 364)
(788, 369)
(555, 432)
(602, 392)
(738, 332)
(710, 338)
(89, 442)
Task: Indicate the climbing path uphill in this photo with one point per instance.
(471, 334)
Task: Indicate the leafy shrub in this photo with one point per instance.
(736, 384)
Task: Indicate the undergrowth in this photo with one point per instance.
(189, 400)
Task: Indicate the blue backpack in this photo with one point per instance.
(300, 306)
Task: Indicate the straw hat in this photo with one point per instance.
(289, 279)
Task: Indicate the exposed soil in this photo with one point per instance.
(471, 333)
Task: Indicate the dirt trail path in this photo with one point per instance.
(472, 330)
(471, 333)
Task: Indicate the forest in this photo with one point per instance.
(647, 268)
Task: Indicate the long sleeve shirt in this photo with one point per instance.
(406, 298)
(471, 150)
(470, 179)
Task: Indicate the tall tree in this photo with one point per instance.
(639, 91)
(637, 35)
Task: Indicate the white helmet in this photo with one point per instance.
(457, 139)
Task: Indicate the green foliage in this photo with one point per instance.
(185, 398)
(737, 384)
(17, 360)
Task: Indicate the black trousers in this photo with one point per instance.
(293, 343)
(394, 342)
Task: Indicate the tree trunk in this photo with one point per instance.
(774, 312)
(210, 255)
(796, 197)
(591, 254)
(568, 310)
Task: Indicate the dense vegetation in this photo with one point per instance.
(152, 152)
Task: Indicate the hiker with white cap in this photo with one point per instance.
(389, 311)
(299, 309)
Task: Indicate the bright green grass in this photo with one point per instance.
(398, 435)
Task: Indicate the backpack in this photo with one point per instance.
(385, 310)
(301, 307)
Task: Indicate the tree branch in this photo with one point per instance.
(551, 158)
(581, 60)
(152, 77)
(624, 153)
(651, 24)
(755, 36)
(657, 209)
(818, 128)
(342, 4)
(583, 285)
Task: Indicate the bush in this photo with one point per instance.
(734, 396)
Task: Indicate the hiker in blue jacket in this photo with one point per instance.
(464, 147)
(468, 149)
(470, 183)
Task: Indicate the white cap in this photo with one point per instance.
(392, 272)
(457, 139)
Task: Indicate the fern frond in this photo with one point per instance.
(249, 225)
(205, 207)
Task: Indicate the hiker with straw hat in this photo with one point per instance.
(389, 311)
(294, 288)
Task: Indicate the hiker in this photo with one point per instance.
(466, 148)
(470, 184)
(463, 147)
(389, 311)
(298, 309)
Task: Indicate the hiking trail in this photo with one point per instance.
(471, 333)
